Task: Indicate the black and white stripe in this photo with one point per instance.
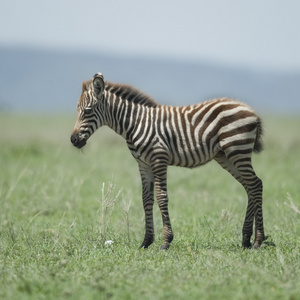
(223, 129)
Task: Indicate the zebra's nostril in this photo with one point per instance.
(78, 140)
(74, 138)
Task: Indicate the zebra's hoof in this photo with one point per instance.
(165, 246)
(144, 246)
(147, 243)
(246, 242)
(258, 242)
(256, 245)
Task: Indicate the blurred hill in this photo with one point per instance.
(36, 80)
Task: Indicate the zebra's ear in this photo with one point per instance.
(84, 87)
(98, 84)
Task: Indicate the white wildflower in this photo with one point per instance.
(108, 243)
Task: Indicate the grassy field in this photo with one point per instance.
(59, 206)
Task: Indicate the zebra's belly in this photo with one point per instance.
(188, 157)
(192, 157)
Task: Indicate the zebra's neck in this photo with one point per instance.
(123, 115)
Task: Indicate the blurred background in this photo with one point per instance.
(179, 52)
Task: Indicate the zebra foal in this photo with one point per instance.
(188, 136)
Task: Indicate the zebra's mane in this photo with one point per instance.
(130, 93)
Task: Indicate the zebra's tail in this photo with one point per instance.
(258, 143)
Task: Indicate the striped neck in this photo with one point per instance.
(123, 107)
(122, 115)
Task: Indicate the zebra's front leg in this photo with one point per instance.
(148, 200)
(162, 200)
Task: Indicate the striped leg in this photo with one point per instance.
(241, 169)
(160, 173)
(148, 200)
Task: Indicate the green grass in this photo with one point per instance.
(54, 220)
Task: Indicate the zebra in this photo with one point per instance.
(158, 136)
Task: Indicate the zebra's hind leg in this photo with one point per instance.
(241, 169)
(256, 193)
(148, 200)
(254, 187)
(254, 190)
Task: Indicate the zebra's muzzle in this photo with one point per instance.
(77, 140)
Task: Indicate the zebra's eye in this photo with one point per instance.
(88, 110)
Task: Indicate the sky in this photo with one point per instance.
(248, 33)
